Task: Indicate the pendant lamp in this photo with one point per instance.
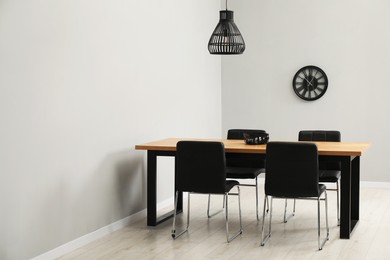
(226, 38)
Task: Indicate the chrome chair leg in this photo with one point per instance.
(267, 204)
(294, 207)
(338, 203)
(227, 216)
(326, 215)
(265, 239)
(270, 216)
(321, 244)
(208, 207)
(338, 200)
(286, 218)
(319, 223)
(239, 207)
(173, 233)
(257, 200)
(188, 211)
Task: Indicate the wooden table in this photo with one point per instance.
(347, 153)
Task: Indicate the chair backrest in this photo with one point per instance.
(292, 170)
(200, 167)
(243, 160)
(239, 133)
(319, 135)
(322, 136)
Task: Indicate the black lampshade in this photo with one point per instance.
(226, 38)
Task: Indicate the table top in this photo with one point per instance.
(239, 146)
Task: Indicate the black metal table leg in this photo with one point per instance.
(355, 191)
(151, 207)
(350, 192)
(345, 206)
(151, 210)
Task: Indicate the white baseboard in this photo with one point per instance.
(375, 184)
(88, 238)
(101, 232)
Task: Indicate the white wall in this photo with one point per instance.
(81, 83)
(349, 40)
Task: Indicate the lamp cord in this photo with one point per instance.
(226, 5)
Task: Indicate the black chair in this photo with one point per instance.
(293, 173)
(330, 172)
(244, 166)
(201, 168)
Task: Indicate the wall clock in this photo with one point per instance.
(310, 83)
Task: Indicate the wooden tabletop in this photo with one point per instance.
(239, 146)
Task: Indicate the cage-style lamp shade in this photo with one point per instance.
(226, 38)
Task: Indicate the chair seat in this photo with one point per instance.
(230, 184)
(329, 175)
(322, 188)
(243, 172)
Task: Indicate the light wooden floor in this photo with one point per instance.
(296, 239)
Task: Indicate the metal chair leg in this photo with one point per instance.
(265, 239)
(319, 223)
(208, 207)
(286, 218)
(321, 244)
(257, 200)
(239, 207)
(173, 233)
(338, 203)
(227, 216)
(294, 207)
(326, 215)
(267, 204)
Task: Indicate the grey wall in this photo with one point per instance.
(81, 83)
(349, 40)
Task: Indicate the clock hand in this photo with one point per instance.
(313, 76)
(309, 82)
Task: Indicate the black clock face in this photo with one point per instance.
(310, 83)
